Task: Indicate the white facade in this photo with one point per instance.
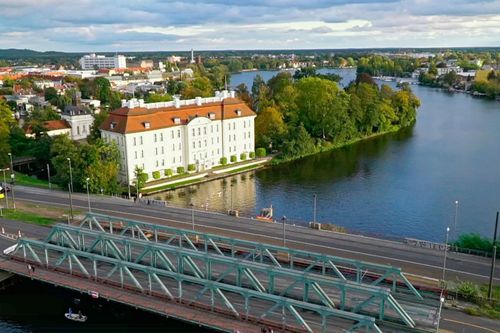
(201, 141)
(80, 124)
(91, 61)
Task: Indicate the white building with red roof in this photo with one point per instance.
(168, 135)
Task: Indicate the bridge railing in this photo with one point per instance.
(244, 304)
(339, 267)
(312, 288)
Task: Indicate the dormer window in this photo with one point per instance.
(211, 115)
(147, 124)
(112, 125)
(238, 112)
(177, 120)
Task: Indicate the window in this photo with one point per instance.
(162, 151)
(178, 133)
(173, 146)
(142, 153)
(135, 154)
(179, 146)
(162, 162)
(141, 139)
(244, 135)
(194, 132)
(245, 124)
(161, 136)
(199, 144)
(234, 137)
(229, 149)
(135, 142)
(217, 128)
(199, 131)
(172, 134)
(173, 159)
(180, 159)
(212, 140)
(205, 143)
(156, 137)
(218, 151)
(78, 130)
(205, 130)
(245, 146)
(235, 148)
(157, 164)
(217, 139)
(234, 125)
(211, 128)
(194, 144)
(156, 151)
(229, 138)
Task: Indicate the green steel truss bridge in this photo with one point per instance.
(285, 289)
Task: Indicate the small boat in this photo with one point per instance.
(266, 215)
(76, 317)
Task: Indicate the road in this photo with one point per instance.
(413, 260)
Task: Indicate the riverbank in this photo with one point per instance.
(329, 147)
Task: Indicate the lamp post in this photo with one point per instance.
(48, 175)
(455, 220)
(70, 175)
(88, 193)
(283, 219)
(445, 253)
(231, 187)
(192, 215)
(5, 185)
(441, 301)
(70, 204)
(12, 176)
(314, 209)
(493, 259)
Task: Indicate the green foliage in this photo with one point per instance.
(156, 174)
(269, 126)
(6, 122)
(299, 144)
(180, 170)
(95, 132)
(191, 167)
(223, 160)
(168, 172)
(243, 156)
(155, 98)
(252, 154)
(261, 152)
(140, 178)
(199, 87)
(233, 158)
(474, 241)
(469, 291)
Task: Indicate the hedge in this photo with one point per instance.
(223, 160)
(261, 152)
(252, 154)
(156, 174)
(168, 172)
(233, 158)
(243, 156)
(191, 167)
(180, 170)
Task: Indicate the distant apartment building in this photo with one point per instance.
(93, 61)
(168, 135)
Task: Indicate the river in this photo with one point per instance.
(398, 185)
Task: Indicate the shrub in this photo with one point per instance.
(191, 167)
(180, 170)
(233, 158)
(223, 160)
(260, 152)
(252, 154)
(469, 291)
(156, 174)
(168, 172)
(243, 156)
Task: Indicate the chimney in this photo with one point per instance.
(232, 93)
(177, 102)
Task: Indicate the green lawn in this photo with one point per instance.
(171, 186)
(249, 167)
(22, 179)
(28, 217)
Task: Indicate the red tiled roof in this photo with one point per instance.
(51, 125)
(127, 120)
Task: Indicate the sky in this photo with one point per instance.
(163, 25)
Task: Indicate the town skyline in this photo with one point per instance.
(219, 25)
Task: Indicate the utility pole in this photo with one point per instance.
(70, 203)
(455, 220)
(284, 235)
(493, 259)
(192, 215)
(5, 188)
(48, 175)
(314, 209)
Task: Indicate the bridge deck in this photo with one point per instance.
(144, 302)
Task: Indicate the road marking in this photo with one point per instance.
(471, 325)
(270, 237)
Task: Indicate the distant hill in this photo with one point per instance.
(13, 54)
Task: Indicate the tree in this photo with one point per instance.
(102, 89)
(51, 95)
(243, 94)
(450, 78)
(140, 178)
(199, 87)
(102, 162)
(6, 121)
(269, 127)
(299, 144)
(95, 132)
(155, 98)
(63, 148)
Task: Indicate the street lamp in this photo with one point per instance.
(455, 220)
(445, 253)
(441, 301)
(231, 187)
(88, 193)
(48, 176)
(314, 209)
(70, 174)
(5, 189)
(283, 219)
(12, 176)
(192, 215)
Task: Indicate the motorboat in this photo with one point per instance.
(76, 317)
